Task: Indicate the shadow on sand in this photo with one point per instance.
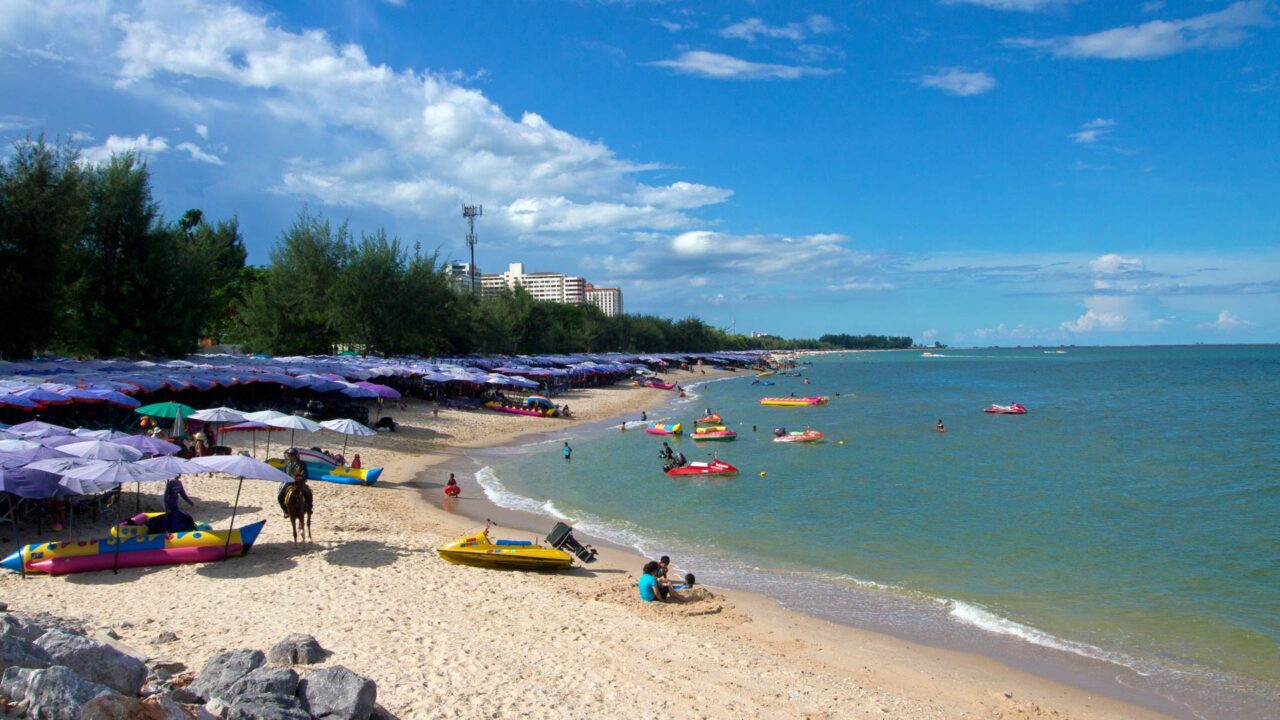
(365, 554)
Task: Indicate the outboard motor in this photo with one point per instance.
(561, 537)
(779, 432)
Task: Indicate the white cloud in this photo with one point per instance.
(1003, 332)
(16, 122)
(672, 25)
(1226, 321)
(1160, 38)
(202, 131)
(862, 286)
(1093, 131)
(957, 81)
(753, 28)
(197, 154)
(929, 335)
(716, 66)
(1115, 264)
(1115, 313)
(143, 144)
(1016, 5)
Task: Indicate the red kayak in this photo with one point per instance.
(715, 467)
(1010, 409)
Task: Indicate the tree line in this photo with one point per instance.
(90, 267)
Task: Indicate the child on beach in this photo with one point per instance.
(451, 489)
(651, 588)
(568, 451)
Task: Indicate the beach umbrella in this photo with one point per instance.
(98, 476)
(30, 455)
(264, 416)
(15, 401)
(254, 426)
(42, 396)
(16, 445)
(45, 432)
(33, 425)
(381, 390)
(29, 483)
(240, 466)
(54, 441)
(295, 423)
(101, 450)
(166, 410)
(170, 464)
(147, 444)
(99, 434)
(348, 428)
(218, 416)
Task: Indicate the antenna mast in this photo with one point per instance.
(471, 212)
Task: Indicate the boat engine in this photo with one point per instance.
(561, 537)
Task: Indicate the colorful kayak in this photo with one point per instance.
(656, 428)
(480, 550)
(533, 411)
(58, 558)
(322, 467)
(713, 432)
(806, 436)
(1010, 409)
(715, 467)
(658, 385)
(794, 401)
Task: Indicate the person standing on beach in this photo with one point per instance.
(568, 451)
(451, 489)
(174, 519)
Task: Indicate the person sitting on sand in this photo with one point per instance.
(451, 488)
(651, 589)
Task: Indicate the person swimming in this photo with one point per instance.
(940, 427)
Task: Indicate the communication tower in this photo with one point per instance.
(471, 212)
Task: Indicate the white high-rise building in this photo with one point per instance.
(609, 300)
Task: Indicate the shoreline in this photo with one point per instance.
(830, 637)
(372, 589)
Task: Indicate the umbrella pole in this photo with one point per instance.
(255, 444)
(137, 497)
(268, 453)
(234, 508)
(344, 447)
(115, 567)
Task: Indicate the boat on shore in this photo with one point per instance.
(480, 550)
(657, 428)
(794, 401)
(1010, 409)
(62, 558)
(531, 410)
(323, 467)
(715, 467)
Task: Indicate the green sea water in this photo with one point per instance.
(1133, 514)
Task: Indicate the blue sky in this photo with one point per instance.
(970, 171)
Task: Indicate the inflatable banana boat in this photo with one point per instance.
(794, 401)
(59, 558)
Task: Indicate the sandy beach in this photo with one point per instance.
(445, 641)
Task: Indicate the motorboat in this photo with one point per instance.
(715, 467)
(806, 436)
(712, 419)
(480, 550)
(794, 401)
(1010, 409)
(657, 428)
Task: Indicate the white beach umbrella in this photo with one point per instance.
(171, 464)
(147, 444)
(348, 428)
(218, 415)
(98, 434)
(264, 415)
(295, 423)
(17, 445)
(101, 450)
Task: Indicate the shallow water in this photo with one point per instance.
(1131, 515)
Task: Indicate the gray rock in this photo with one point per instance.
(166, 707)
(223, 669)
(186, 696)
(265, 681)
(336, 693)
(165, 637)
(13, 684)
(20, 626)
(113, 707)
(297, 649)
(59, 693)
(16, 652)
(97, 662)
(267, 706)
(173, 667)
(4, 607)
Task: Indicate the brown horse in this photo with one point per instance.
(295, 507)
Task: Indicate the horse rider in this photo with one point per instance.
(298, 470)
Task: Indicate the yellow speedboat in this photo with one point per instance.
(480, 550)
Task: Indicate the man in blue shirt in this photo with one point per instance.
(651, 588)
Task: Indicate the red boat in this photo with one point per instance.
(715, 467)
(1010, 409)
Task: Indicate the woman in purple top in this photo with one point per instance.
(175, 520)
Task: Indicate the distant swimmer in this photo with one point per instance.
(940, 427)
(568, 451)
(644, 416)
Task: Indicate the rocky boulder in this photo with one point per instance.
(54, 693)
(20, 626)
(114, 707)
(18, 653)
(267, 706)
(296, 649)
(95, 661)
(265, 681)
(223, 670)
(336, 693)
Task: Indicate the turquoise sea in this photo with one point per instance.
(1132, 516)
